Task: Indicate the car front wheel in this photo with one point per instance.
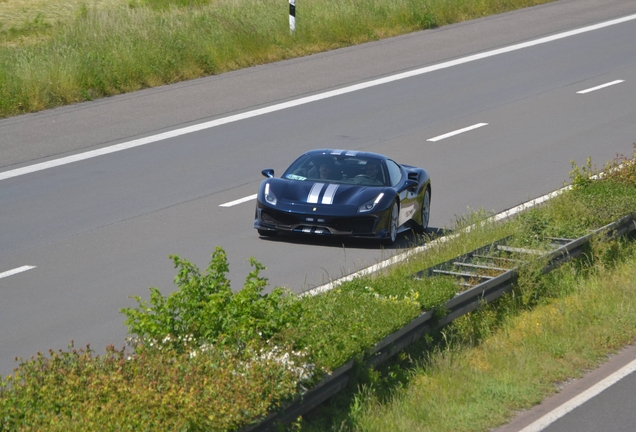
(425, 211)
(393, 224)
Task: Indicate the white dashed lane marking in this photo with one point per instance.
(600, 87)
(457, 132)
(16, 271)
(238, 201)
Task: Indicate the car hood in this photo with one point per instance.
(322, 193)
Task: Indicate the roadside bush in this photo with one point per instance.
(338, 325)
(152, 390)
(205, 311)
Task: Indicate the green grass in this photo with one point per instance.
(54, 53)
(504, 357)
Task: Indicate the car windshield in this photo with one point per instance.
(338, 169)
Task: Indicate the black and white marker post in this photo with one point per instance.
(292, 16)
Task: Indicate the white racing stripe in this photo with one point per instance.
(294, 103)
(602, 86)
(457, 132)
(330, 192)
(314, 193)
(16, 271)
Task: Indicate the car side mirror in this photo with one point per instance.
(269, 173)
(410, 185)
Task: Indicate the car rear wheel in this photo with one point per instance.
(266, 233)
(425, 211)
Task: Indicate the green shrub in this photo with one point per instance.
(151, 390)
(205, 310)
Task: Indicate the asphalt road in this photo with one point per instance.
(597, 401)
(98, 230)
(607, 412)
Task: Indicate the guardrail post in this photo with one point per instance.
(292, 16)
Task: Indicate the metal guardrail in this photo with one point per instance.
(487, 273)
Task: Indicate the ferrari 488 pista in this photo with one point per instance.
(344, 193)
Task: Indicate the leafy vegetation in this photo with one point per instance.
(204, 311)
(479, 371)
(150, 390)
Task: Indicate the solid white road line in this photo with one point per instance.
(579, 400)
(278, 107)
(238, 201)
(600, 87)
(16, 271)
(457, 132)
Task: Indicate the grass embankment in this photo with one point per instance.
(474, 374)
(473, 386)
(208, 358)
(57, 52)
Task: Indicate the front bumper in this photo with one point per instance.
(367, 225)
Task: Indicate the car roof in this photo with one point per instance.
(339, 152)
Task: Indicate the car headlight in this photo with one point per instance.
(370, 205)
(270, 198)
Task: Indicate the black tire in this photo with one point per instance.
(393, 224)
(425, 211)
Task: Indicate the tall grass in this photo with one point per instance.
(502, 359)
(102, 50)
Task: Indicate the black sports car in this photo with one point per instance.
(345, 193)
